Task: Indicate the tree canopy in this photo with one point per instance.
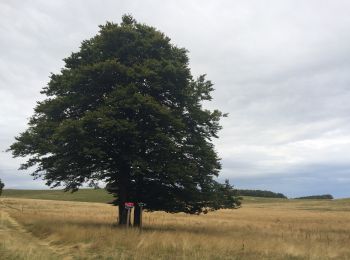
(126, 110)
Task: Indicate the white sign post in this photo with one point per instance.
(128, 206)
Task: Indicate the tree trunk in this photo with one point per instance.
(138, 209)
(123, 193)
(137, 216)
(122, 214)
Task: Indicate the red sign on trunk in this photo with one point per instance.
(129, 204)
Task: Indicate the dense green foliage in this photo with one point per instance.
(261, 193)
(319, 197)
(126, 110)
(2, 185)
(224, 196)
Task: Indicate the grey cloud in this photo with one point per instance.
(306, 179)
(280, 70)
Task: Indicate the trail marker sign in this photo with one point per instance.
(129, 205)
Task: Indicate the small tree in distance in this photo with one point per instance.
(2, 185)
(126, 110)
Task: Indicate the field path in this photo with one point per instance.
(17, 243)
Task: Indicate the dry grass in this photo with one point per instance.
(281, 230)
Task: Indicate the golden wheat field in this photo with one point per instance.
(261, 229)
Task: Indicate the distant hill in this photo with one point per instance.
(317, 197)
(84, 195)
(101, 195)
(261, 193)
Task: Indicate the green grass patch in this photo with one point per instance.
(83, 195)
(249, 199)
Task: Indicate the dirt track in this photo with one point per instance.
(17, 243)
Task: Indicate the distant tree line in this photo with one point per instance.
(261, 193)
(317, 197)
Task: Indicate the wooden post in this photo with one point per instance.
(141, 217)
(128, 218)
(141, 205)
(128, 206)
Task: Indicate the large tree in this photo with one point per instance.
(2, 185)
(126, 110)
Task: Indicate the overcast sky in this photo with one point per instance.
(281, 70)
